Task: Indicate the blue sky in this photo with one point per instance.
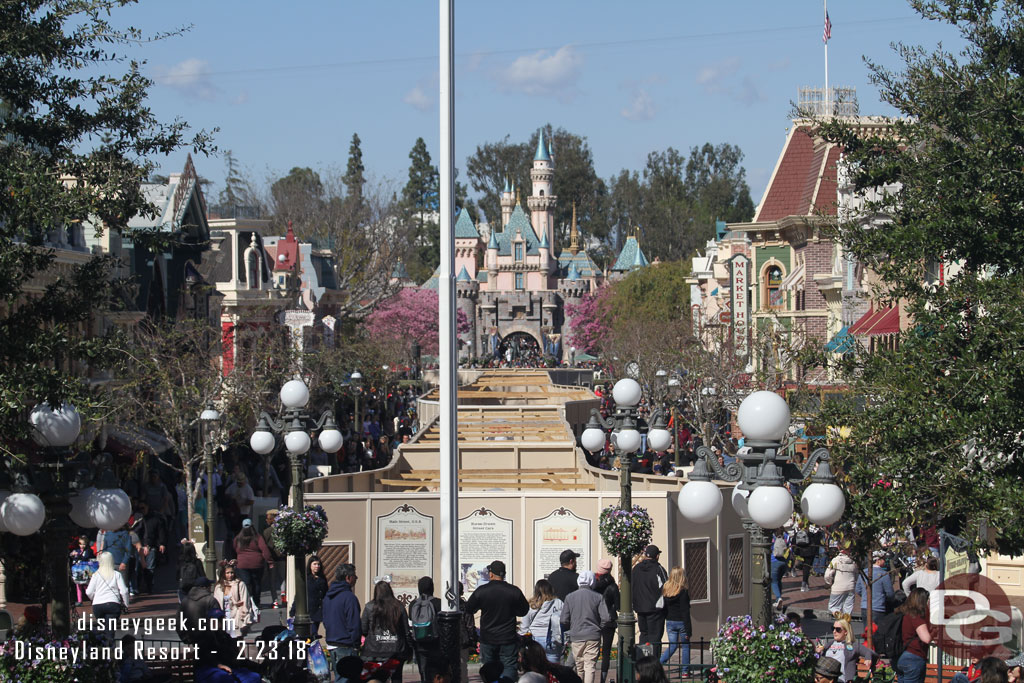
(288, 83)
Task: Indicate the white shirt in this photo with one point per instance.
(922, 578)
(102, 591)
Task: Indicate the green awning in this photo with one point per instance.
(842, 342)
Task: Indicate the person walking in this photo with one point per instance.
(387, 630)
(806, 544)
(911, 665)
(499, 603)
(677, 618)
(780, 563)
(583, 615)
(107, 590)
(233, 597)
(277, 574)
(841, 578)
(882, 593)
(564, 579)
(316, 590)
(253, 556)
(543, 621)
(609, 590)
(648, 601)
(81, 553)
(423, 613)
(342, 627)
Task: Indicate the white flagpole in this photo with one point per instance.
(828, 95)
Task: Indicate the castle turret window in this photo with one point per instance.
(519, 251)
(519, 281)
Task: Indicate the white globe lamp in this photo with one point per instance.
(209, 415)
(55, 428)
(23, 513)
(80, 509)
(330, 440)
(626, 392)
(770, 506)
(700, 501)
(109, 508)
(823, 504)
(659, 439)
(294, 394)
(262, 442)
(763, 416)
(628, 440)
(739, 501)
(593, 439)
(297, 442)
(4, 494)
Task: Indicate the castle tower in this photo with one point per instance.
(545, 255)
(466, 292)
(467, 244)
(507, 204)
(542, 202)
(492, 261)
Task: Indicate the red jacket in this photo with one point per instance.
(255, 556)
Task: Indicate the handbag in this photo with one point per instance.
(120, 600)
(254, 610)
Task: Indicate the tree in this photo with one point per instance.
(492, 166)
(354, 178)
(937, 439)
(589, 321)
(410, 317)
(718, 184)
(421, 200)
(298, 198)
(75, 136)
(625, 204)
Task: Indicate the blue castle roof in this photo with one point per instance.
(464, 228)
(542, 149)
(631, 257)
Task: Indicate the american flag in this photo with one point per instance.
(828, 28)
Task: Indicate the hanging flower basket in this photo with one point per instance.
(294, 533)
(746, 653)
(625, 533)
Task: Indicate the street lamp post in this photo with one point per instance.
(356, 380)
(207, 419)
(673, 388)
(761, 499)
(67, 499)
(625, 441)
(296, 426)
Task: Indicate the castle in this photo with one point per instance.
(514, 289)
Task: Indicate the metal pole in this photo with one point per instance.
(301, 622)
(627, 620)
(210, 551)
(760, 577)
(675, 438)
(58, 508)
(448, 452)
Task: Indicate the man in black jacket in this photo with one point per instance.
(564, 580)
(499, 603)
(648, 578)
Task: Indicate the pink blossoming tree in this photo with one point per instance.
(410, 317)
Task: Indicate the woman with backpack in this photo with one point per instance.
(677, 618)
(253, 557)
(423, 613)
(806, 543)
(386, 629)
(911, 665)
(780, 563)
(543, 620)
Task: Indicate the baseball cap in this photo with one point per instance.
(652, 551)
(567, 556)
(246, 522)
(604, 566)
(878, 555)
(497, 568)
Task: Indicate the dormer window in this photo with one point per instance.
(519, 251)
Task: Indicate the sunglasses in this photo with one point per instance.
(838, 628)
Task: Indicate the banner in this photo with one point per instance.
(739, 266)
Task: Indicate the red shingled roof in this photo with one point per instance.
(287, 248)
(804, 181)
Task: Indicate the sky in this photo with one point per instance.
(287, 84)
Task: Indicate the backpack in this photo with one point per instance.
(422, 614)
(802, 537)
(888, 640)
(780, 550)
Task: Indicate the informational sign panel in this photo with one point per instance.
(561, 530)
(739, 282)
(483, 538)
(405, 550)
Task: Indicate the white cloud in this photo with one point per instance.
(641, 108)
(418, 99)
(240, 98)
(712, 75)
(191, 77)
(542, 73)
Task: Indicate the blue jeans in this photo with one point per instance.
(507, 654)
(677, 638)
(253, 580)
(778, 570)
(910, 668)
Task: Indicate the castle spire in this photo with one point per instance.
(542, 149)
(574, 236)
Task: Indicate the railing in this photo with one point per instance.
(700, 662)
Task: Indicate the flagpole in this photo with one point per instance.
(828, 95)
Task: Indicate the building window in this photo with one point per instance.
(774, 295)
(519, 281)
(698, 569)
(736, 562)
(519, 251)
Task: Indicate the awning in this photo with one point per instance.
(793, 279)
(582, 356)
(841, 342)
(882, 321)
